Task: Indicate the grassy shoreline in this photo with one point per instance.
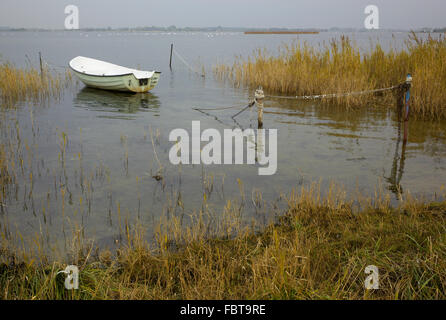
(318, 249)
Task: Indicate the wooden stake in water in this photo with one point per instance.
(259, 96)
(41, 65)
(170, 61)
(406, 106)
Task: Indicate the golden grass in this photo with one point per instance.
(339, 67)
(318, 249)
(18, 85)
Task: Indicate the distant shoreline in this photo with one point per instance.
(281, 32)
(224, 29)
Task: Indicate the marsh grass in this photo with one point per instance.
(29, 84)
(317, 249)
(339, 67)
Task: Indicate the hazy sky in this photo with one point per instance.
(403, 14)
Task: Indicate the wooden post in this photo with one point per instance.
(170, 61)
(41, 65)
(259, 96)
(260, 114)
(407, 86)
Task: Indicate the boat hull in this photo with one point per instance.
(126, 83)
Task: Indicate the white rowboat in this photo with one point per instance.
(103, 75)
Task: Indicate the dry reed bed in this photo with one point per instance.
(318, 249)
(339, 67)
(18, 85)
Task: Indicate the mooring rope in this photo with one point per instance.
(217, 109)
(248, 106)
(50, 65)
(187, 64)
(260, 95)
(335, 95)
(313, 97)
(203, 110)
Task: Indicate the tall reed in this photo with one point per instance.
(29, 84)
(339, 67)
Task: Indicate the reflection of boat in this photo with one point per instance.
(110, 101)
(103, 75)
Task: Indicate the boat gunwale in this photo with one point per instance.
(110, 76)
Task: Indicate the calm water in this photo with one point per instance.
(110, 160)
